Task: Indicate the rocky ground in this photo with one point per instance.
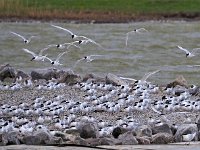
(55, 107)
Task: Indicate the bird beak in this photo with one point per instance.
(32, 59)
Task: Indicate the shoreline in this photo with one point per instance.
(103, 17)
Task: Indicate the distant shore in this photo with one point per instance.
(97, 17)
(104, 11)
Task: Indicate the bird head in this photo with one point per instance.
(33, 59)
(73, 36)
(58, 45)
(187, 54)
(80, 42)
(52, 62)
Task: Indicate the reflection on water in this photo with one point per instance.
(144, 53)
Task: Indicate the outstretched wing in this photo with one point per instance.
(44, 49)
(18, 35)
(77, 62)
(146, 76)
(30, 38)
(183, 49)
(127, 34)
(48, 59)
(63, 29)
(141, 30)
(195, 50)
(60, 55)
(30, 52)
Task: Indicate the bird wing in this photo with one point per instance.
(18, 35)
(147, 75)
(30, 52)
(183, 49)
(63, 29)
(78, 62)
(44, 49)
(127, 34)
(31, 38)
(142, 29)
(195, 50)
(60, 55)
(123, 78)
(48, 59)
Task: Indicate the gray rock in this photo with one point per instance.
(88, 130)
(69, 78)
(3, 140)
(93, 141)
(164, 128)
(186, 129)
(115, 80)
(44, 136)
(143, 140)
(143, 130)
(44, 74)
(162, 138)
(32, 140)
(80, 141)
(198, 123)
(92, 77)
(6, 71)
(12, 138)
(109, 141)
(117, 131)
(72, 131)
(22, 74)
(127, 139)
(54, 140)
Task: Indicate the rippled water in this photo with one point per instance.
(145, 52)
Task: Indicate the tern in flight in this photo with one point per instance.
(188, 53)
(26, 41)
(62, 46)
(79, 37)
(140, 30)
(36, 57)
(56, 62)
(87, 58)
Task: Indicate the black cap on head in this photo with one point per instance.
(32, 58)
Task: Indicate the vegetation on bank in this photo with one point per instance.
(89, 9)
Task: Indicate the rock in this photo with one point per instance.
(12, 138)
(186, 129)
(22, 74)
(93, 141)
(32, 140)
(164, 128)
(6, 71)
(117, 131)
(109, 141)
(69, 78)
(198, 123)
(92, 77)
(143, 140)
(127, 139)
(143, 130)
(72, 131)
(88, 130)
(3, 140)
(80, 141)
(44, 136)
(54, 140)
(180, 80)
(162, 138)
(115, 80)
(44, 74)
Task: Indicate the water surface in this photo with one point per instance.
(144, 53)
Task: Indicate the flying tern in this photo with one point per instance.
(26, 41)
(87, 58)
(188, 53)
(62, 46)
(56, 62)
(140, 30)
(39, 57)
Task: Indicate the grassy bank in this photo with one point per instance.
(98, 9)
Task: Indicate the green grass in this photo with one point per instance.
(57, 7)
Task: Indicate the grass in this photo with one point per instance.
(78, 9)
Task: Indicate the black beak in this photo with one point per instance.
(32, 58)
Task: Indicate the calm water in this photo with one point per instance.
(145, 52)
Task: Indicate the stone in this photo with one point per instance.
(54, 140)
(3, 140)
(80, 141)
(109, 141)
(22, 74)
(186, 129)
(162, 138)
(6, 71)
(143, 130)
(93, 141)
(46, 74)
(127, 139)
(92, 77)
(115, 80)
(117, 131)
(88, 130)
(32, 140)
(143, 140)
(69, 78)
(12, 138)
(180, 80)
(164, 128)
(44, 136)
